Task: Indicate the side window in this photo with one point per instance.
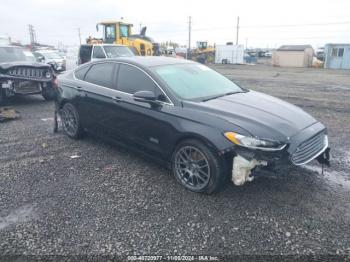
(102, 74)
(81, 72)
(98, 52)
(85, 54)
(341, 52)
(334, 51)
(131, 80)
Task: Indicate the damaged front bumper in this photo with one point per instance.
(301, 149)
(245, 165)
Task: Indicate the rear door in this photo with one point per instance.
(97, 100)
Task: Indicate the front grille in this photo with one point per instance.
(28, 72)
(310, 149)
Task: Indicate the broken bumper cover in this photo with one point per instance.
(309, 144)
(244, 169)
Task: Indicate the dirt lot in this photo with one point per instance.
(108, 200)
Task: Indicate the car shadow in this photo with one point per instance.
(25, 100)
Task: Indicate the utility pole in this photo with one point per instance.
(79, 35)
(31, 34)
(237, 30)
(189, 36)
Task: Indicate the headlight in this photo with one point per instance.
(255, 143)
(48, 74)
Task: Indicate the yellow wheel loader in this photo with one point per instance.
(116, 32)
(204, 53)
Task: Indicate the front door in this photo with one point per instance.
(142, 125)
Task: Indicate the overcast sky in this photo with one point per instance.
(267, 23)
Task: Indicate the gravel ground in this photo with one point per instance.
(64, 197)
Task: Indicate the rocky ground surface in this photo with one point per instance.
(59, 196)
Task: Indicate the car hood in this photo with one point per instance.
(8, 65)
(260, 115)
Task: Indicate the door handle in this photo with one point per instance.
(117, 99)
(79, 88)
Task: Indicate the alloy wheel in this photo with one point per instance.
(192, 167)
(69, 120)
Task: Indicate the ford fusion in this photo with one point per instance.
(202, 125)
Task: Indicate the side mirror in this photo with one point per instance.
(146, 97)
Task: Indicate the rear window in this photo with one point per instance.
(101, 74)
(118, 51)
(98, 53)
(81, 72)
(13, 54)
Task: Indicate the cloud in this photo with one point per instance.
(58, 21)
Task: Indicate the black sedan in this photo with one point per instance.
(201, 124)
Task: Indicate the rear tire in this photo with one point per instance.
(198, 168)
(71, 121)
(2, 96)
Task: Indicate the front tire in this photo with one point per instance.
(71, 121)
(198, 168)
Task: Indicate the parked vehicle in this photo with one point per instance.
(169, 52)
(194, 119)
(268, 54)
(320, 54)
(89, 53)
(21, 75)
(52, 58)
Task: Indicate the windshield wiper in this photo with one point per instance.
(226, 94)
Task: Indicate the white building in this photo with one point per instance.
(293, 56)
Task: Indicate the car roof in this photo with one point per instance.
(150, 61)
(102, 45)
(46, 51)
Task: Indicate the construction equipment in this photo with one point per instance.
(204, 53)
(118, 32)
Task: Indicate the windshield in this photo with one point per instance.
(117, 51)
(124, 30)
(51, 55)
(13, 54)
(195, 81)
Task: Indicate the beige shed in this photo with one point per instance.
(293, 56)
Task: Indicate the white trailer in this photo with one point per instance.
(229, 54)
(5, 40)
